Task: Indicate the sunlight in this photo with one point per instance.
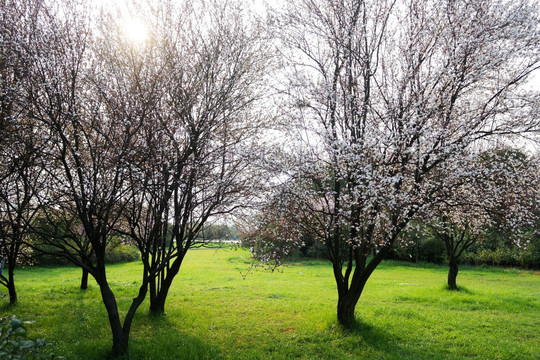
(135, 30)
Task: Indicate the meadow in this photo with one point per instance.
(214, 312)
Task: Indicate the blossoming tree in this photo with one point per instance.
(391, 97)
(498, 190)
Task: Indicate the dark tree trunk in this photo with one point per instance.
(120, 332)
(84, 279)
(157, 302)
(348, 296)
(158, 296)
(120, 341)
(452, 273)
(160, 289)
(153, 290)
(345, 310)
(11, 285)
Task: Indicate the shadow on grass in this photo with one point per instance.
(7, 306)
(155, 337)
(81, 324)
(460, 289)
(381, 344)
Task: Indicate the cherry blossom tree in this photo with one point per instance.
(88, 152)
(391, 97)
(498, 191)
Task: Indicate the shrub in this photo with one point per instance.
(41, 258)
(505, 256)
(116, 252)
(420, 247)
(15, 345)
(121, 253)
(432, 250)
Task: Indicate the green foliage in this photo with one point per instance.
(496, 249)
(14, 345)
(505, 256)
(117, 253)
(41, 259)
(422, 248)
(431, 250)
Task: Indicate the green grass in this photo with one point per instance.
(212, 312)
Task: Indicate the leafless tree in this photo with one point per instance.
(21, 173)
(200, 139)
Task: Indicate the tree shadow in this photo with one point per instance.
(85, 329)
(382, 341)
(374, 336)
(7, 306)
(459, 289)
(156, 337)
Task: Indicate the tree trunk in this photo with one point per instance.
(452, 273)
(348, 296)
(160, 289)
(120, 341)
(345, 310)
(84, 279)
(143, 290)
(11, 285)
(157, 303)
(159, 296)
(120, 333)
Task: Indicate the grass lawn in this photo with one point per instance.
(212, 312)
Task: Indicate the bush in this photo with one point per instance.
(46, 259)
(116, 252)
(432, 250)
(121, 253)
(15, 345)
(495, 249)
(505, 256)
(420, 248)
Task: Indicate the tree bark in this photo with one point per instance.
(160, 289)
(452, 273)
(84, 279)
(345, 310)
(120, 332)
(120, 342)
(157, 303)
(11, 285)
(158, 296)
(348, 296)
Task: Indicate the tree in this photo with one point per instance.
(21, 175)
(146, 137)
(501, 195)
(198, 142)
(391, 96)
(88, 152)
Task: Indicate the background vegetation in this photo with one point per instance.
(493, 250)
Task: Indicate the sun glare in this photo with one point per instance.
(136, 31)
